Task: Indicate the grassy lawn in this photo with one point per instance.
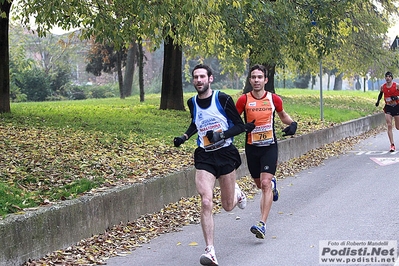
(54, 151)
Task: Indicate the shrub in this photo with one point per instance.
(35, 83)
(74, 92)
(104, 91)
(16, 95)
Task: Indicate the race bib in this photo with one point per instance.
(391, 101)
(262, 136)
(208, 146)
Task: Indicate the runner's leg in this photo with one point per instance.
(267, 195)
(388, 119)
(396, 121)
(227, 190)
(205, 183)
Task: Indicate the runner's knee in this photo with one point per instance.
(266, 183)
(206, 203)
(228, 205)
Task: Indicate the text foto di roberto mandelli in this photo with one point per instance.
(351, 251)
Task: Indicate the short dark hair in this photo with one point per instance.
(389, 74)
(258, 67)
(207, 68)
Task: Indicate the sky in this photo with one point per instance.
(59, 31)
(393, 32)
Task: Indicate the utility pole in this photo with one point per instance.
(321, 92)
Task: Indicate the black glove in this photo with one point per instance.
(179, 140)
(214, 136)
(249, 126)
(377, 103)
(290, 130)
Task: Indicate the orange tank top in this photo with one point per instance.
(262, 111)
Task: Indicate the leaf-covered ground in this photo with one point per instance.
(47, 165)
(42, 165)
(125, 238)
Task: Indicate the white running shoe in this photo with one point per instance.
(241, 198)
(209, 257)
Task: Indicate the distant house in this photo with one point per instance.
(395, 44)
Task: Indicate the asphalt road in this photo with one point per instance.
(353, 197)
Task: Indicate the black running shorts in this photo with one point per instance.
(391, 110)
(261, 159)
(218, 162)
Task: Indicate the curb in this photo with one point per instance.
(36, 233)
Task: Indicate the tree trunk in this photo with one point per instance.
(4, 59)
(328, 80)
(364, 83)
(358, 86)
(236, 82)
(271, 70)
(247, 87)
(141, 71)
(172, 80)
(129, 70)
(313, 83)
(120, 75)
(338, 82)
(284, 79)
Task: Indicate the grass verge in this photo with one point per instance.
(59, 150)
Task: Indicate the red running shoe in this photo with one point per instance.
(392, 148)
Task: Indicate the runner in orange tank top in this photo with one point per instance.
(260, 107)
